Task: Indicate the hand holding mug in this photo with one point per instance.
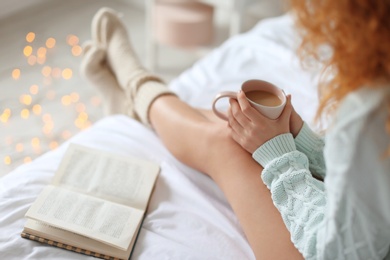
(265, 97)
(250, 128)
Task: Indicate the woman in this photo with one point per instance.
(294, 214)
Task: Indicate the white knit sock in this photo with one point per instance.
(94, 68)
(147, 93)
(109, 32)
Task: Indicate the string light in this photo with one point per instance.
(83, 116)
(25, 99)
(46, 118)
(35, 143)
(34, 89)
(67, 73)
(30, 37)
(53, 145)
(76, 50)
(7, 111)
(37, 109)
(27, 159)
(19, 147)
(7, 160)
(66, 100)
(38, 55)
(48, 128)
(78, 123)
(31, 60)
(82, 121)
(27, 51)
(74, 97)
(46, 71)
(5, 115)
(41, 53)
(41, 60)
(24, 113)
(16, 74)
(72, 40)
(50, 43)
(3, 119)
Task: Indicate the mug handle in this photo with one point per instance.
(220, 95)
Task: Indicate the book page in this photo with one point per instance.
(108, 222)
(46, 231)
(121, 179)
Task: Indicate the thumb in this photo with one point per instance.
(287, 110)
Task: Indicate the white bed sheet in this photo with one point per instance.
(188, 216)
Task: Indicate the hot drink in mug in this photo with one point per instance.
(268, 99)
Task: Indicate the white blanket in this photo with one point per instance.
(188, 216)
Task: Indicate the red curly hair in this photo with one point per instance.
(358, 32)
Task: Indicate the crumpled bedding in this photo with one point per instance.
(188, 216)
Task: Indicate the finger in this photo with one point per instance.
(233, 134)
(292, 107)
(233, 123)
(247, 109)
(285, 116)
(237, 113)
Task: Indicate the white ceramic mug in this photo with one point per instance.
(270, 100)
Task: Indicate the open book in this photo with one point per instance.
(95, 204)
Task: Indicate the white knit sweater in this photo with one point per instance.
(348, 215)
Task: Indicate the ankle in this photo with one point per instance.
(146, 96)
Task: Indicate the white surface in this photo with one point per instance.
(188, 217)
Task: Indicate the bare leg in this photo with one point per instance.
(209, 114)
(200, 140)
(239, 177)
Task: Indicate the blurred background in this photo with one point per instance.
(43, 99)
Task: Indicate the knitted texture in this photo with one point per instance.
(95, 69)
(299, 197)
(145, 96)
(109, 33)
(348, 215)
(137, 78)
(312, 145)
(274, 148)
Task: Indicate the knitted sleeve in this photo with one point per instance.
(312, 145)
(322, 224)
(298, 196)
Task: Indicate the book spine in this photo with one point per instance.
(67, 247)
